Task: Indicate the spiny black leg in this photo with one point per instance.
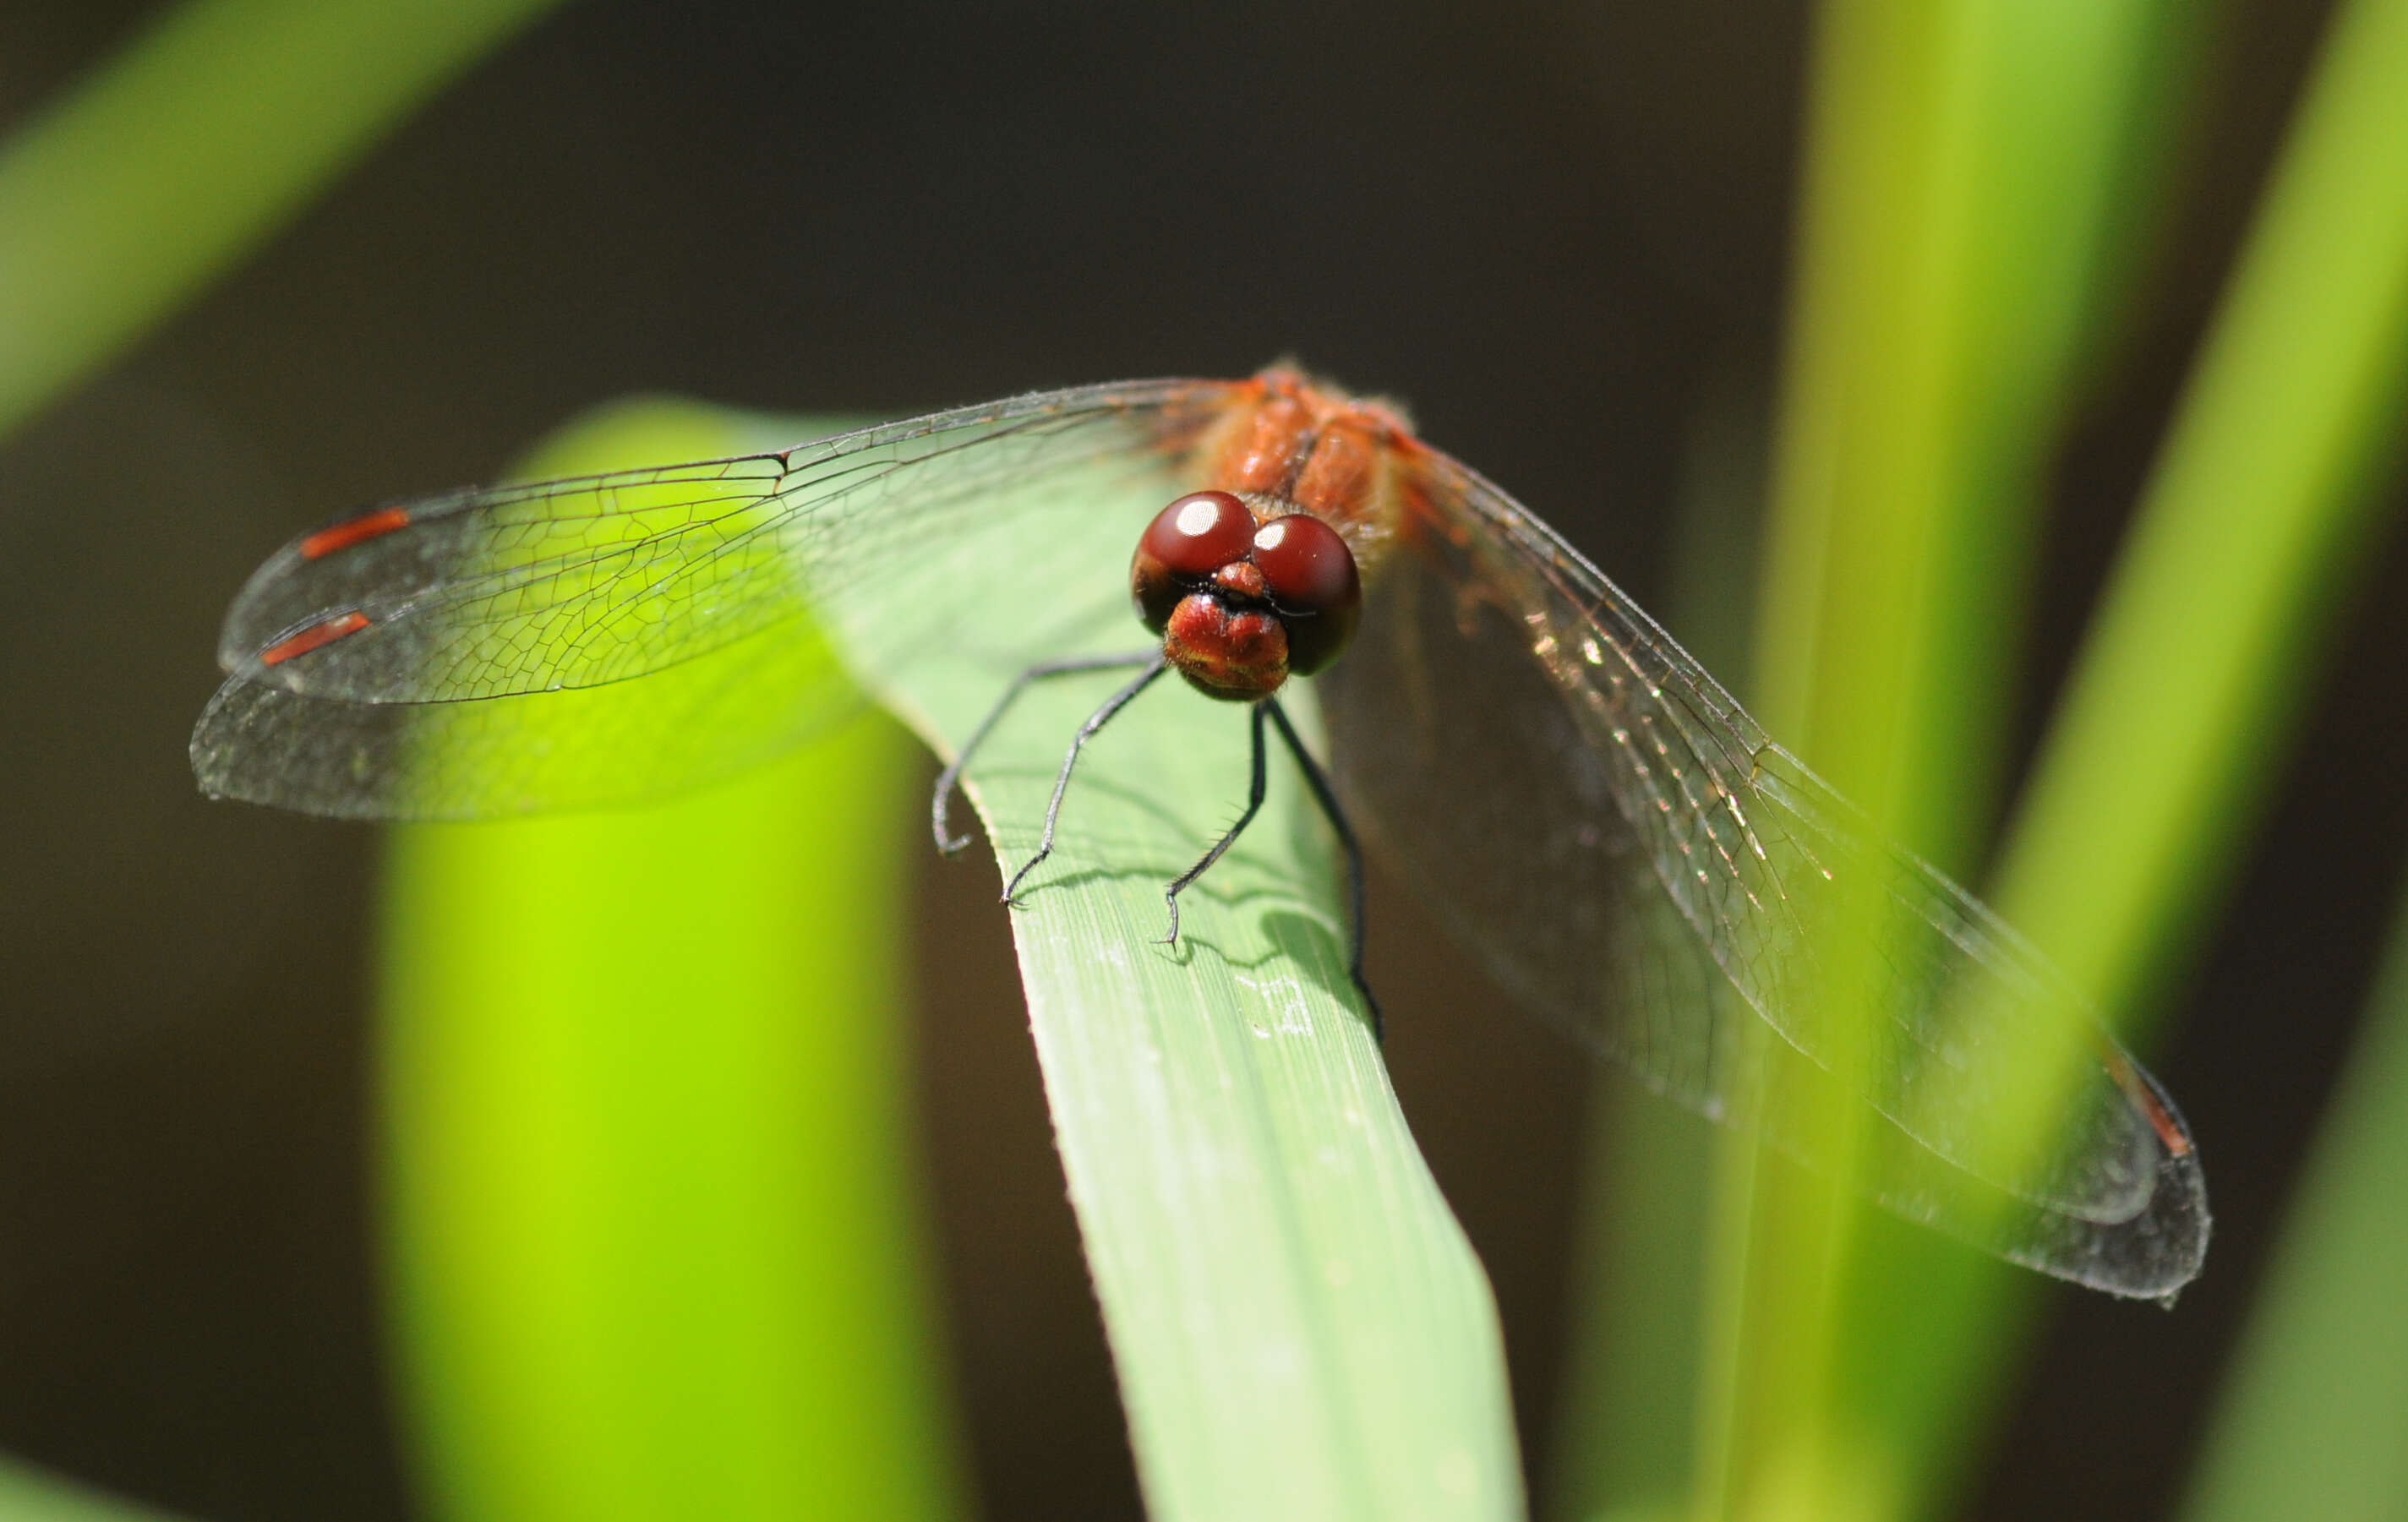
(1253, 806)
(1326, 797)
(1156, 665)
(938, 810)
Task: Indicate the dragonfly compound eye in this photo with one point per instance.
(1185, 544)
(1310, 577)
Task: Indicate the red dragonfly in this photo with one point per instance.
(1597, 819)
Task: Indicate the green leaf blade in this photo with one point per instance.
(1300, 1327)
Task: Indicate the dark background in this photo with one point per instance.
(1555, 230)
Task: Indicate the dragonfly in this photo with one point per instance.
(1592, 815)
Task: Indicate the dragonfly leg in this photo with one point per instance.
(1253, 807)
(1156, 664)
(1326, 797)
(940, 810)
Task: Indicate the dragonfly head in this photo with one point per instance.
(1245, 597)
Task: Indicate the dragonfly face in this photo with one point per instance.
(1245, 597)
(1591, 814)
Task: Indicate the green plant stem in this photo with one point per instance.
(1624, 1442)
(205, 136)
(31, 1494)
(2201, 659)
(1981, 179)
(2313, 1422)
(2188, 685)
(1958, 224)
(657, 1236)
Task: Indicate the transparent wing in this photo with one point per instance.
(470, 654)
(485, 758)
(1601, 821)
(1616, 839)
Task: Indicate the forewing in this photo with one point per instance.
(1616, 837)
(492, 757)
(475, 653)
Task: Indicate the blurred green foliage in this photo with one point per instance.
(2314, 1420)
(204, 137)
(1960, 221)
(656, 1232)
(28, 1495)
(1972, 198)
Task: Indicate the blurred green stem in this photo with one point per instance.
(1958, 224)
(31, 1495)
(2260, 504)
(2177, 713)
(1622, 1443)
(2314, 1421)
(656, 1239)
(2245, 549)
(205, 136)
